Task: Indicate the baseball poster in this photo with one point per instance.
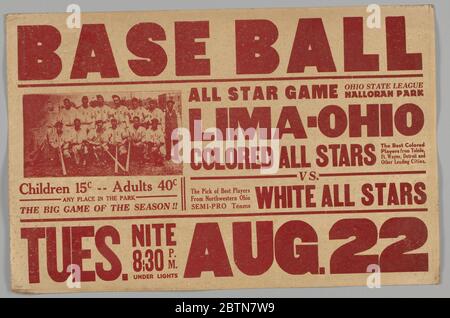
(222, 149)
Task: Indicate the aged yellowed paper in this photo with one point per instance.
(219, 149)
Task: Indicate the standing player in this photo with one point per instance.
(85, 114)
(53, 115)
(101, 111)
(135, 110)
(67, 114)
(171, 124)
(119, 111)
(153, 112)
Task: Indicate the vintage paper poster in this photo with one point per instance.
(251, 148)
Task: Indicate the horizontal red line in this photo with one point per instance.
(281, 176)
(222, 80)
(379, 173)
(156, 196)
(218, 215)
(34, 200)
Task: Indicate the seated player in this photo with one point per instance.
(76, 143)
(117, 138)
(156, 150)
(137, 139)
(56, 140)
(98, 142)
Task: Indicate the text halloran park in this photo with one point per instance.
(247, 148)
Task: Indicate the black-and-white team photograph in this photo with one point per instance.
(100, 134)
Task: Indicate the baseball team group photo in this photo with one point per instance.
(100, 134)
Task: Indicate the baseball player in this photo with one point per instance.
(154, 137)
(117, 137)
(98, 142)
(137, 138)
(171, 123)
(76, 143)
